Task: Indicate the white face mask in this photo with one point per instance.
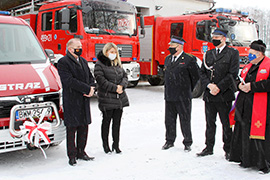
(112, 56)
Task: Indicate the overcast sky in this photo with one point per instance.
(262, 4)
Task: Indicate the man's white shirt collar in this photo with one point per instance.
(178, 56)
(221, 48)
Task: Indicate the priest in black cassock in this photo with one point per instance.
(251, 136)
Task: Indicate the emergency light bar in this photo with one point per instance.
(224, 10)
(5, 13)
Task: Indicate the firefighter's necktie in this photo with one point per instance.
(218, 51)
(174, 59)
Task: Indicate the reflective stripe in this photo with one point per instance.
(39, 68)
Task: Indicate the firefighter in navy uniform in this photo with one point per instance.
(181, 76)
(219, 69)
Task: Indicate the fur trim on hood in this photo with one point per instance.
(104, 59)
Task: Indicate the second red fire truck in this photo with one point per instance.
(196, 29)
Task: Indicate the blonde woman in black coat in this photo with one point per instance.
(111, 82)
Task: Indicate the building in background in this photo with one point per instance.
(170, 7)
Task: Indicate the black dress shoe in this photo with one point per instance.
(265, 170)
(205, 152)
(72, 162)
(167, 146)
(244, 165)
(187, 148)
(85, 157)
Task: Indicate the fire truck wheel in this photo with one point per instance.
(197, 91)
(155, 81)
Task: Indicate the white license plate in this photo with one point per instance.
(35, 113)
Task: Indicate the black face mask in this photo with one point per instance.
(78, 52)
(172, 50)
(216, 42)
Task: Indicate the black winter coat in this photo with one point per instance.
(225, 69)
(76, 80)
(181, 77)
(108, 77)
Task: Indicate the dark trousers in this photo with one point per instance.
(211, 110)
(76, 148)
(183, 109)
(114, 115)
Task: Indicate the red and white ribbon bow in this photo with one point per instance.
(37, 132)
(34, 132)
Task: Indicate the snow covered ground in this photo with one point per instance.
(142, 136)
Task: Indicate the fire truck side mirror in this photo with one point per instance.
(142, 25)
(65, 17)
(50, 54)
(257, 28)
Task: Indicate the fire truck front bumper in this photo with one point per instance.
(8, 143)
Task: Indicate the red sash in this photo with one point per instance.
(259, 108)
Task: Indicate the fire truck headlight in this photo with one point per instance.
(135, 72)
(128, 71)
(41, 98)
(136, 69)
(27, 100)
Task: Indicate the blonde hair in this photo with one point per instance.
(109, 46)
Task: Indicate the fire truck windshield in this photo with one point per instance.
(19, 45)
(110, 22)
(243, 33)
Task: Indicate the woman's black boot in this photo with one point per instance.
(116, 148)
(106, 148)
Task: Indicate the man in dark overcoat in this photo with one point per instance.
(219, 69)
(78, 86)
(181, 76)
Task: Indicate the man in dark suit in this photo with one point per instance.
(219, 69)
(78, 86)
(181, 76)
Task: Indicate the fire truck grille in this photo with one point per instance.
(243, 60)
(19, 143)
(6, 103)
(125, 50)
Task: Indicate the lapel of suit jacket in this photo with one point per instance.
(169, 60)
(73, 58)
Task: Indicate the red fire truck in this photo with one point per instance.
(196, 29)
(96, 22)
(30, 89)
